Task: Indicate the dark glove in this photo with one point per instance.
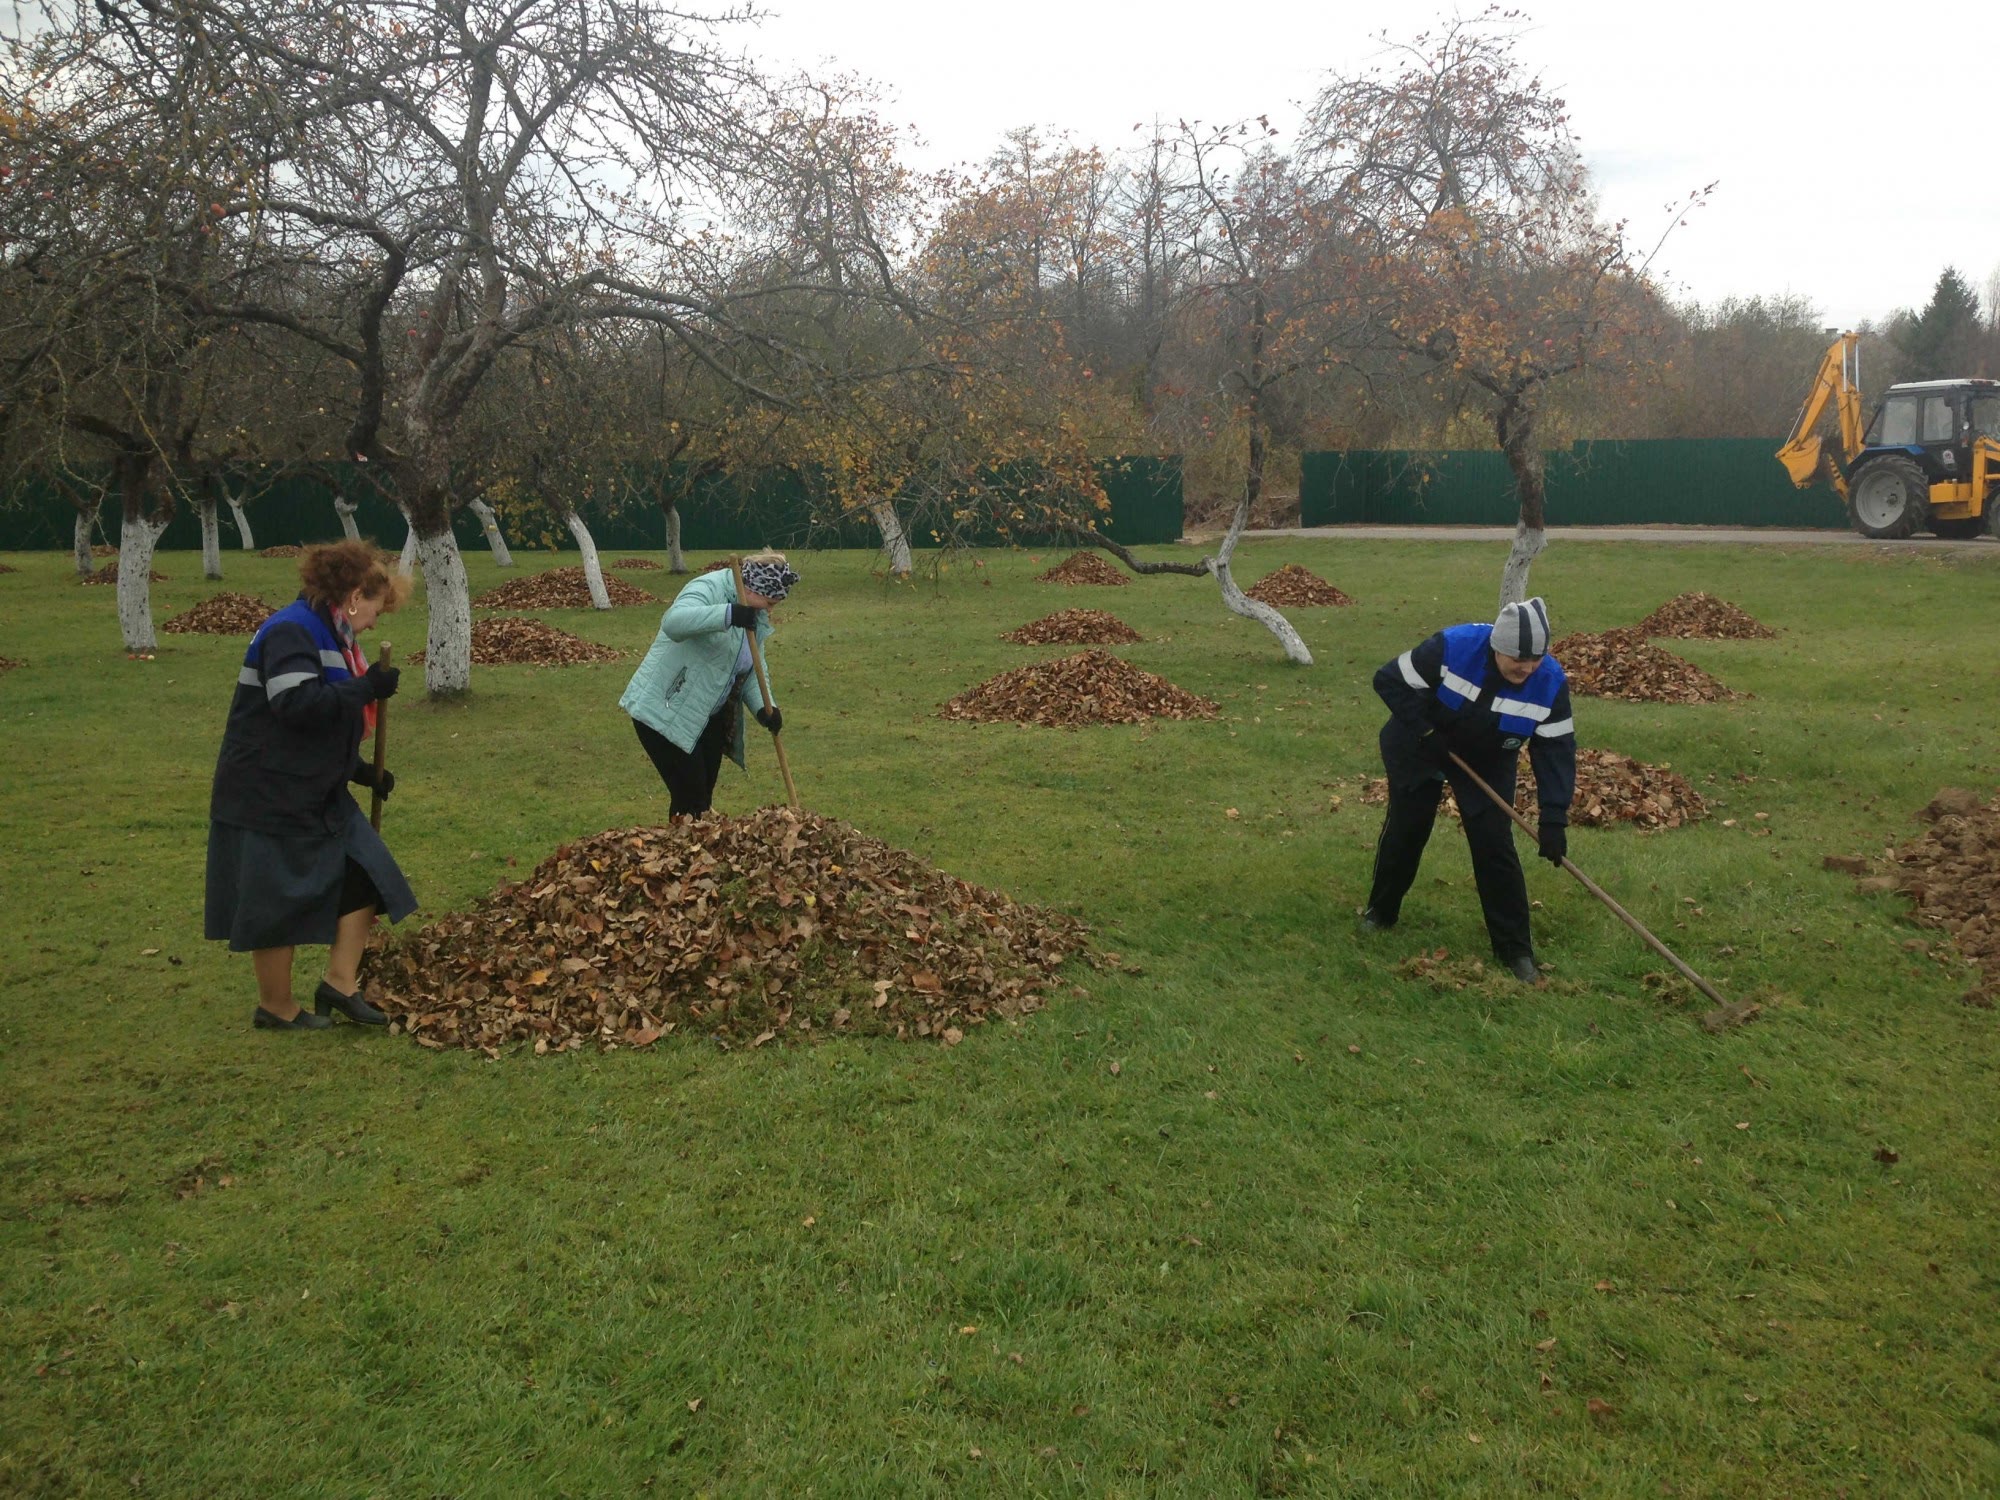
(743, 617)
(1554, 843)
(383, 782)
(382, 681)
(771, 719)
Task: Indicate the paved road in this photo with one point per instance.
(1739, 535)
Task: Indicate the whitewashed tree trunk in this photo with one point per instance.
(676, 559)
(1238, 602)
(593, 570)
(242, 524)
(495, 542)
(895, 544)
(345, 509)
(409, 558)
(1528, 544)
(136, 541)
(211, 538)
(84, 562)
(448, 647)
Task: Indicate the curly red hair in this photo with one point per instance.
(331, 572)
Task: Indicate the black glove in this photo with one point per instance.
(743, 617)
(382, 680)
(383, 782)
(1554, 842)
(771, 719)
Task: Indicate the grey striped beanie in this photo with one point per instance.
(1522, 630)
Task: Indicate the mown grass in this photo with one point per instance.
(1308, 1238)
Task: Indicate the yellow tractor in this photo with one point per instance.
(1929, 459)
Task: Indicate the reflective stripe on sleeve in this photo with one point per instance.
(1407, 665)
(249, 677)
(1521, 708)
(333, 659)
(287, 681)
(1459, 685)
(1556, 730)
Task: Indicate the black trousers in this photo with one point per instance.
(690, 776)
(1416, 784)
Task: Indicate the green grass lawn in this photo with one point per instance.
(1262, 1218)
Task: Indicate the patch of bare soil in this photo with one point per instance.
(1703, 617)
(289, 549)
(637, 565)
(526, 642)
(558, 588)
(1084, 569)
(1074, 627)
(1294, 587)
(221, 614)
(1951, 874)
(1092, 687)
(109, 574)
(1622, 664)
(746, 930)
(1610, 789)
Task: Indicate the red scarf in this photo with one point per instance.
(357, 664)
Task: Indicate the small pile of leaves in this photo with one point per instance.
(1610, 788)
(1294, 587)
(1622, 664)
(778, 924)
(1092, 687)
(637, 564)
(525, 641)
(1951, 873)
(289, 549)
(558, 588)
(4, 568)
(1703, 617)
(720, 565)
(109, 574)
(8, 664)
(1081, 568)
(103, 549)
(221, 614)
(1074, 627)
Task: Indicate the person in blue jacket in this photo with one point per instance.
(684, 699)
(1482, 691)
(291, 858)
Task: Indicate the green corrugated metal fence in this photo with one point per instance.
(1655, 482)
(719, 512)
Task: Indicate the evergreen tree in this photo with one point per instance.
(1941, 342)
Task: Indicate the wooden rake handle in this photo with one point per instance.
(764, 685)
(381, 744)
(1594, 888)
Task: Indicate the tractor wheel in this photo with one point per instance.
(1991, 518)
(1959, 531)
(1889, 498)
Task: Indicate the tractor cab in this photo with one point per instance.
(1935, 422)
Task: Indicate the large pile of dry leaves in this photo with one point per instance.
(1092, 687)
(221, 614)
(1081, 568)
(1294, 587)
(1703, 617)
(109, 574)
(637, 564)
(1074, 627)
(558, 588)
(289, 549)
(1951, 873)
(1610, 789)
(1623, 664)
(512, 641)
(777, 924)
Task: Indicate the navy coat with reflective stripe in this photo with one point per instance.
(1450, 684)
(293, 739)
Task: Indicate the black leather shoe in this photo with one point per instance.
(264, 1020)
(1523, 968)
(1374, 923)
(357, 1010)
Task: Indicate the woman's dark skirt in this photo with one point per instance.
(271, 891)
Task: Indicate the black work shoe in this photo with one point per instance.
(265, 1020)
(1523, 968)
(357, 1010)
(1374, 922)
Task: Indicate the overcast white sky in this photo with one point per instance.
(1844, 172)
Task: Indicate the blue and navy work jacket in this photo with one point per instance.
(293, 739)
(1450, 688)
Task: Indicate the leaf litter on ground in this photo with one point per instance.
(780, 924)
(1091, 687)
(1951, 875)
(1084, 568)
(1074, 627)
(526, 641)
(1703, 617)
(559, 588)
(225, 613)
(1294, 587)
(637, 564)
(1610, 789)
(1623, 664)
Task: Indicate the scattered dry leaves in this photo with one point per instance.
(1703, 617)
(637, 565)
(1074, 627)
(8, 664)
(1092, 687)
(1610, 788)
(221, 614)
(109, 574)
(1084, 568)
(778, 924)
(1623, 664)
(526, 641)
(558, 588)
(1951, 874)
(1294, 587)
(288, 550)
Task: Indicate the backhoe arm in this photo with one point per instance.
(1838, 382)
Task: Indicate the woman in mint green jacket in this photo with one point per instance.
(683, 699)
